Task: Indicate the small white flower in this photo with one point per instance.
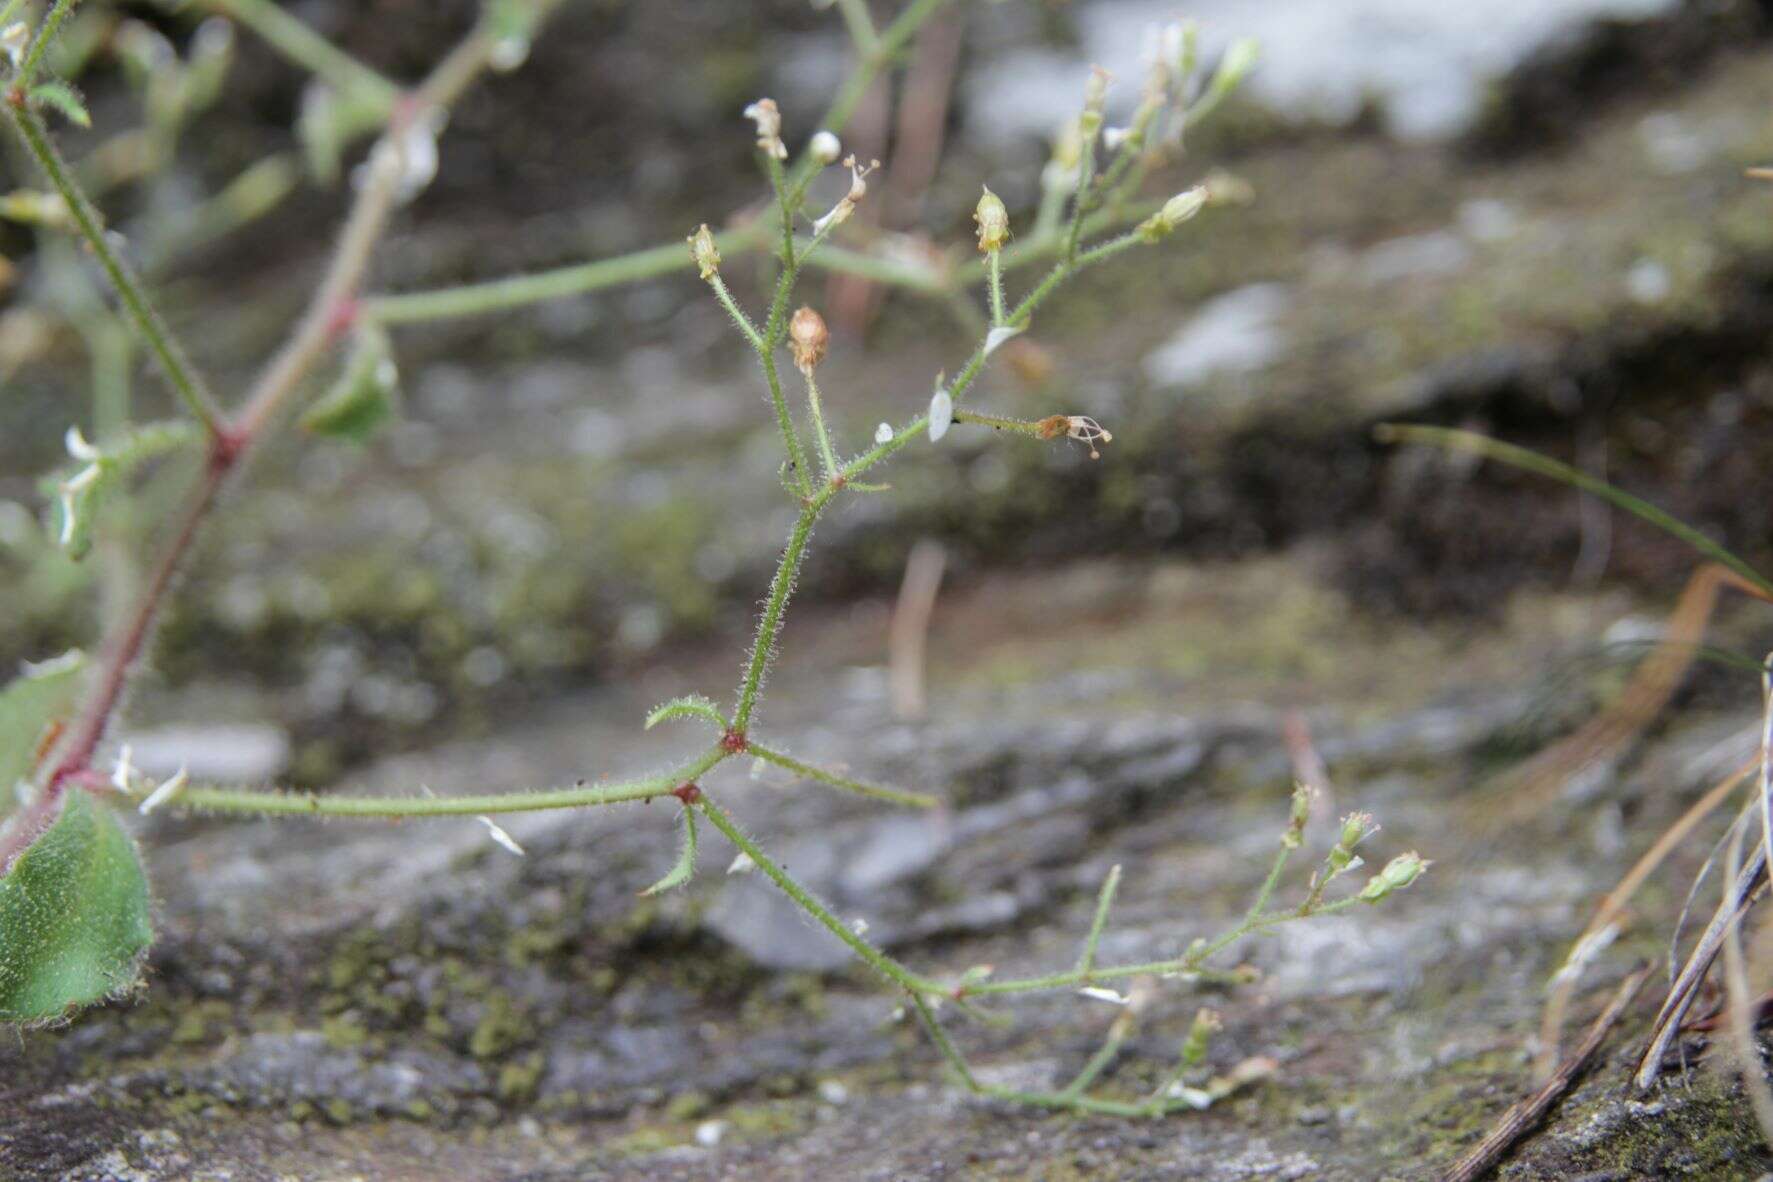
(499, 835)
(742, 864)
(825, 147)
(1195, 1098)
(166, 792)
(768, 118)
(859, 926)
(709, 1133)
(883, 433)
(1108, 995)
(122, 772)
(941, 413)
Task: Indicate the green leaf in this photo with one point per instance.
(688, 706)
(74, 916)
(59, 96)
(686, 858)
(78, 495)
(365, 395)
(28, 706)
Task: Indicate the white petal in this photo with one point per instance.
(941, 415)
(166, 792)
(1107, 995)
(742, 864)
(120, 775)
(999, 335)
(883, 433)
(499, 835)
(78, 447)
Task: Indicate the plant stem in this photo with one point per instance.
(881, 963)
(994, 284)
(40, 45)
(184, 378)
(860, 25)
(228, 800)
(770, 626)
(998, 422)
(497, 295)
(742, 321)
(1086, 962)
(939, 1036)
(820, 435)
(308, 49)
(126, 643)
(918, 800)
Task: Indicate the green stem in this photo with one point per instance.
(1094, 1068)
(919, 800)
(308, 49)
(40, 44)
(998, 422)
(1190, 962)
(770, 626)
(860, 25)
(737, 313)
(939, 1036)
(879, 961)
(185, 379)
(228, 800)
(820, 434)
(1086, 962)
(496, 295)
(994, 284)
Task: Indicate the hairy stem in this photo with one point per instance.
(227, 800)
(40, 44)
(879, 961)
(769, 628)
(184, 378)
(918, 800)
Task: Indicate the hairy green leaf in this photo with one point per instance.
(74, 916)
(365, 395)
(688, 706)
(28, 706)
(686, 858)
(59, 96)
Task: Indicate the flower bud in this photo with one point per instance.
(1295, 834)
(825, 147)
(1200, 1032)
(807, 339)
(1399, 873)
(1175, 211)
(1095, 97)
(703, 250)
(994, 222)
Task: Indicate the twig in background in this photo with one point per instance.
(909, 631)
(1519, 1119)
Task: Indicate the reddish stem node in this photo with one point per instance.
(734, 742)
(342, 317)
(688, 793)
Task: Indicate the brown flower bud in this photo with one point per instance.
(807, 338)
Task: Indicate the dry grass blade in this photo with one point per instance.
(1612, 908)
(1528, 1112)
(1654, 682)
(1740, 1008)
(1739, 896)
